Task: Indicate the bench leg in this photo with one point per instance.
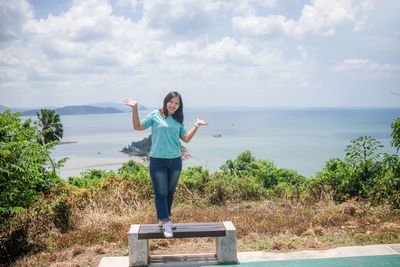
(226, 246)
(138, 248)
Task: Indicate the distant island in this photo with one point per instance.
(142, 148)
(99, 108)
(74, 110)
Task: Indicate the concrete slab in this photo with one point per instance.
(114, 262)
(394, 248)
(256, 256)
(355, 251)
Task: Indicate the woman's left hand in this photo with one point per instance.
(201, 122)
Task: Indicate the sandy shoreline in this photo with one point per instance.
(78, 166)
(141, 160)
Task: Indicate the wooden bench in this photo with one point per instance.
(225, 233)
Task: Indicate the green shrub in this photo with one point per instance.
(134, 170)
(90, 178)
(363, 173)
(13, 241)
(387, 187)
(248, 188)
(339, 178)
(239, 166)
(263, 171)
(195, 178)
(220, 188)
(395, 142)
(62, 214)
(224, 187)
(26, 167)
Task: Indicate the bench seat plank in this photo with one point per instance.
(184, 230)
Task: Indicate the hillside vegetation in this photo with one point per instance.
(352, 201)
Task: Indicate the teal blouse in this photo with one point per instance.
(164, 135)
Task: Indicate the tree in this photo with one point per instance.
(395, 142)
(361, 150)
(50, 124)
(24, 164)
(140, 148)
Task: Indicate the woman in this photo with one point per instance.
(165, 154)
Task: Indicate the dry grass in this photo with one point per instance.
(100, 229)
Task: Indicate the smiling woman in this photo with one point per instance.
(165, 153)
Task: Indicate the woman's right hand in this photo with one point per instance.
(131, 102)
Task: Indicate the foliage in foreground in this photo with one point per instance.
(363, 174)
(25, 171)
(50, 126)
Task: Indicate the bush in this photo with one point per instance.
(363, 173)
(239, 166)
(223, 187)
(24, 232)
(264, 172)
(195, 178)
(220, 188)
(62, 214)
(13, 241)
(339, 178)
(26, 166)
(395, 142)
(90, 178)
(387, 186)
(134, 170)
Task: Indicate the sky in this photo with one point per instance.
(256, 53)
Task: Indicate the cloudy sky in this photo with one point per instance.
(215, 52)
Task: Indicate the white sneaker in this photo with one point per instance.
(161, 225)
(167, 230)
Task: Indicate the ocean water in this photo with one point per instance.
(302, 139)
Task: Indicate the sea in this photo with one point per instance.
(301, 139)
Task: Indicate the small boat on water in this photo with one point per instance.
(217, 135)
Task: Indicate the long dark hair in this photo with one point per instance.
(178, 115)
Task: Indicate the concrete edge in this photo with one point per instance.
(340, 252)
(254, 256)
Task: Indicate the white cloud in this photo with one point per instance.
(319, 17)
(88, 34)
(191, 17)
(13, 14)
(182, 17)
(127, 3)
(360, 24)
(257, 25)
(199, 47)
(368, 70)
(322, 15)
(227, 51)
(363, 7)
(89, 39)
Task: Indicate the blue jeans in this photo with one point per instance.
(164, 175)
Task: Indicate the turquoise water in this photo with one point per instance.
(299, 139)
(367, 261)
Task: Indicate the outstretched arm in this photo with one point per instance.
(135, 114)
(188, 136)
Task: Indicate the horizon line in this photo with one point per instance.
(213, 107)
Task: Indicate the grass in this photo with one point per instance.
(275, 226)
(99, 227)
